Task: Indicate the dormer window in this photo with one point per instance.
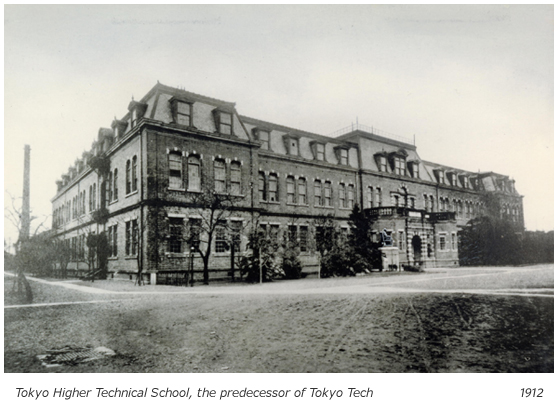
(118, 128)
(342, 154)
(224, 121)
(318, 150)
(181, 111)
(452, 178)
(137, 110)
(465, 182)
(291, 144)
(440, 175)
(414, 169)
(399, 166)
(383, 164)
(262, 135)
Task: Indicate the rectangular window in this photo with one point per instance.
(399, 166)
(114, 240)
(383, 164)
(453, 241)
(219, 166)
(342, 196)
(183, 113)
(128, 237)
(415, 170)
(320, 151)
(225, 123)
(128, 176)
(109, 188)
(236, 230)
(273, 188)
(261, 187)
(327, 194)
(220, 239)
(290, 189)
(176, 225)
(401, 240)
(302, 191)
(303, 238)
(378, 197)
(135, 237)
(134, 173)
(350, 196)
(115, 185)
(442, 242)
(263, 136)
(370, 197)
(317, 193)
(441, 177)
(175, 171)
(235, 178)
(344, 157)
(194, 175)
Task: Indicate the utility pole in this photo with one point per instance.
(25, 207)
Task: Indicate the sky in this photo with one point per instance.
(472, 84)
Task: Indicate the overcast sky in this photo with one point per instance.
(474, 84)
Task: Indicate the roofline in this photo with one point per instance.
(279, 127)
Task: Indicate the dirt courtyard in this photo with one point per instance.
(458, 320)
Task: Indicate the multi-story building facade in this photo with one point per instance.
(139, 182)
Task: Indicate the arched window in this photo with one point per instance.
(317, 193)
(128, 177)
(134, 173)
(302, 191)
(194, 175)
(220, 176)
(273, 190)
(236, 177)
(290, 189)
(175, 170)
(261, 187)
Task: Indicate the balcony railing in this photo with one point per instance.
(395, 211)
(372, 130)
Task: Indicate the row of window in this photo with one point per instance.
(226, 179)
(76, 208)
(297, 191)
(131, 238)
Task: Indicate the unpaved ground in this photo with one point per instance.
(268, 331)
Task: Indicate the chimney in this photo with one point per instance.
(25, 209)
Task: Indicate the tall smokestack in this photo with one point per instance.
(25, 218)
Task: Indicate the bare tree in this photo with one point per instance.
(213, 223)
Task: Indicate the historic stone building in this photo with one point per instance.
(139, 181)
